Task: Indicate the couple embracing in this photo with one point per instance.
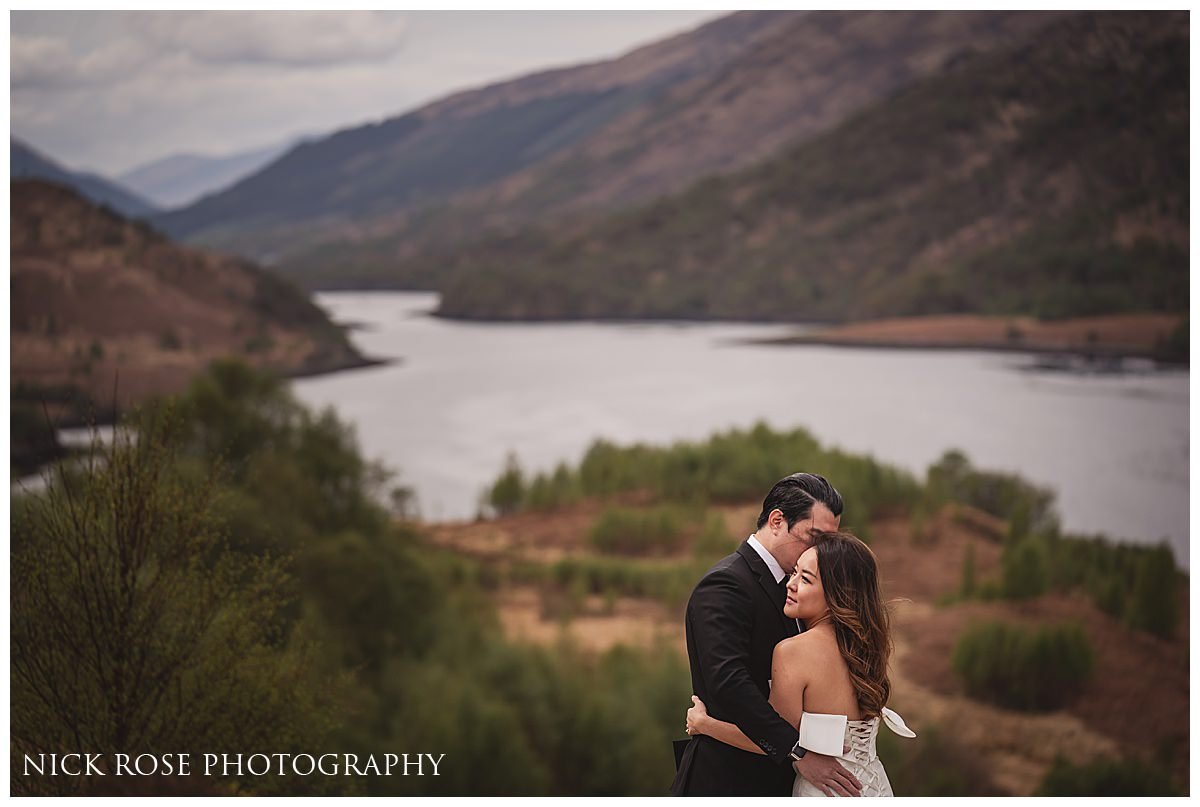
(788, 641)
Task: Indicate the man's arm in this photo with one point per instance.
(721, 611)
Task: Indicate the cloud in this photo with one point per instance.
(44, 62)
(110, 90)
(39, 61)
(291, 39)
(195, 44)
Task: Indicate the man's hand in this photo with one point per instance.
(826, 773)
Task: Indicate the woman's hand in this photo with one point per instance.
(697, 716)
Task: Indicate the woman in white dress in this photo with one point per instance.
(830, 681)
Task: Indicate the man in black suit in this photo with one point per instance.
(734, 620)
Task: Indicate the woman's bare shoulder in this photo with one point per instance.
(808, 648)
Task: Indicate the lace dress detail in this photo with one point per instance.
(861, 760)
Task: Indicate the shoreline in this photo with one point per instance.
(106, 416)
(361, 363)
(100, 417)
(1082, 352)
(1104, 339)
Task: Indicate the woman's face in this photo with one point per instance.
(805, 596)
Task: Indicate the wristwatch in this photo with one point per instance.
(798, 751)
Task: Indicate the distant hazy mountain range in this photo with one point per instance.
(181, 179)
(25, 163)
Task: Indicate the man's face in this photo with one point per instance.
(803, 532)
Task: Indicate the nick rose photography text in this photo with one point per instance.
(85, 764)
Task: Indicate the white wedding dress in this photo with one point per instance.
(830, 734)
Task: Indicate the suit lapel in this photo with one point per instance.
(767, 581)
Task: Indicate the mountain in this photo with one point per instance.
(25, 163)
(1047, 178)
(601, 135)
(181, 179)
(455, 145)
(95, 295)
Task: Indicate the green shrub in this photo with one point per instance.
(608, 469)
(733, 466)
(1028, 508)
(1109, 596)
(272, 604)
(1019, 521)
(623, 531)
(506, 494)
(1023, 669)
(552, 491)
(1154, 604)
(1104, 777)
(714, 540)
(132, 624)
(1139, 584)
(1024, 569)
(967, 586)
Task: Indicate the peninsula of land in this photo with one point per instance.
(1162, 337)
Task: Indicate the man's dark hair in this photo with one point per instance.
(795, 495)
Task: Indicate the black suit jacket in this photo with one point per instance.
(734, 620)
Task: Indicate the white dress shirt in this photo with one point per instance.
(767, 557)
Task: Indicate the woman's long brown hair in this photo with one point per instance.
(850, 578)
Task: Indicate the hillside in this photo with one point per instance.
(26, 163)
(103, 304)
(330, 187)
(606, 552)
(1004, 752)
(603, 135)
(1043, 180)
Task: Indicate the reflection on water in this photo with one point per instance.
(1114, 447)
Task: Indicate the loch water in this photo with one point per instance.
(460, 396)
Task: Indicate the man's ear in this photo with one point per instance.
(776, 519)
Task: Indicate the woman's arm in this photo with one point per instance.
(699, 722)
(788, 681)
(787, 698)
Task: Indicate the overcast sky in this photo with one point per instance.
(107, 91)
